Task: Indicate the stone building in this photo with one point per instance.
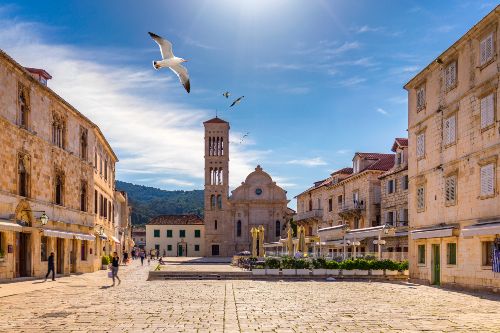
(257, 201)
(454, 140)
(123, 229)
(394, 201)
(139, 237)
(176, 235)
(47, 172)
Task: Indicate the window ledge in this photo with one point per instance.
(448, 145)
(490, 126)
(421, 265)
(484, 268)
(487, 63)
(489, 196)
(421, 108)
(451, 88)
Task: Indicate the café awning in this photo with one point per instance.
(479, 229)
(7, 225)
(58, 233)
(359, 234)
(434, 232)
(116, 240)
(86, 237)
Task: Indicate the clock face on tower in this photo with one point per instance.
(258, 191)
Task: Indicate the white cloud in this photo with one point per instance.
(279, 65)
(137, 110)
(366, 28)
(364, 62)
(351, 82)
(316, 161)
(382, 111)
(445, 28)
(343, 151)
(347, 46)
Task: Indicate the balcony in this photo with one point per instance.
(312, 214)
(352, 209)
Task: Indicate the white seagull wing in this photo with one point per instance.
(183, 75)
(165, 46)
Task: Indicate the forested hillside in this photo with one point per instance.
(148, 202)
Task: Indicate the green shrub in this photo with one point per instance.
(259, 266)
(302, 264)
(332, 264)
(272, 263)
(376, 264)
(105, 260)
(362, 264)
(319, 263)
(403, 266)
(288, 263)
(390, 265)
(348, 265)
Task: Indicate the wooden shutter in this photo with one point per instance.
(487, 179)
(450, 189)
(449, 131)
(420, 145)
(486, 49)
(487, 111)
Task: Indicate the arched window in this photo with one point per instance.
(212, 201)
(210, 146)
(219, 201)
(238, 228)
(83, 144)
(215, 224)
(277, 229)
(222, 146)
(23, 177)
(83, 196)
(219, 177)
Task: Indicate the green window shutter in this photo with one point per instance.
(197, 248)
(452, 253)
(182, 233)
(197, 233)
(169, 233)
(156, 233)
(421, 254)
(169, 247)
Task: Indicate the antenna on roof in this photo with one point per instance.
(216, 112)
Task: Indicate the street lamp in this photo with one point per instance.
(44, 219)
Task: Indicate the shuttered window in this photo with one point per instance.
(486, 49)
(450, 75)
(487, 179)
(421, 254)
(420, 198)
(420, 145)
(449, 130)
(420, 97)
(487, 111)
(391, 186)
(451, 253)
(450, 189)
(404, 182)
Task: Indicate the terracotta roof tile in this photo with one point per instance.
(384, 162)
(401, 142)
(216, 120)
(176, 220)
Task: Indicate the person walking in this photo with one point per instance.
(51, 267)
(115, 262)
(142, 254)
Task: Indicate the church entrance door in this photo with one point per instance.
(215, 249)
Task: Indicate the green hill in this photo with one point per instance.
(148, 202)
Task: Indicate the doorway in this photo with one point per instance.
(215, 249)
(23, 259)
(60, 256)
(72, 256)
(181, 250)
(436, 264)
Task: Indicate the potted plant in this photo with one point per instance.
(272, 266)
(362, 267)
(376, 268)
(403, 267)
(288, 266)
(259, 270)
(2, 255)
(319, 266)
(105, 262)
(302, 266)
(391, 267)
(333, 268)
(347, 267)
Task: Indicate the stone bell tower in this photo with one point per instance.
(218, 233)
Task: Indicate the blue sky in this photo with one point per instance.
(321, 79)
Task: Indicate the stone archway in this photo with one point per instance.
(24, 214)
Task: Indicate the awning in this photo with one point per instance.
(338, 242)
(332, 232)
(84, 237)
(116, 240)
(277, 244)
(10, 226)
(365, 232)
(480, 229)
(103, 236)
(435, 232)
(58, 233)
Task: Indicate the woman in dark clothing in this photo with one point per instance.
(51, 267)
(114, 268)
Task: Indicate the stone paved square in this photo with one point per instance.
(84, 303)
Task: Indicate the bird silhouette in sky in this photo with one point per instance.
(236, 101)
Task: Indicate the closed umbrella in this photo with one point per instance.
(261, 241)
(290, 241)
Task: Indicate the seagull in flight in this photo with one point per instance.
(243, 137)
(226, 94)
(171, 61)
(236, 101)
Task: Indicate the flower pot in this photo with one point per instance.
(259, 271)
(289, 271)
(272, 271)
(303, 271)
(319, 271)
(360, 272)
(104, 267)
(391, 273)
(377, 272)
(406, 272)
(348, 272)
(334, 272)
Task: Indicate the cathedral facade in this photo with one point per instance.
(230, 217)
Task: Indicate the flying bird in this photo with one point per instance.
(243, 137)
(171, 61)
(226, 94)
(236, 101)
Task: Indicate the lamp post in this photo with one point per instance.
(44, 219)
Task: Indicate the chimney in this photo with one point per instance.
(39, 74)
